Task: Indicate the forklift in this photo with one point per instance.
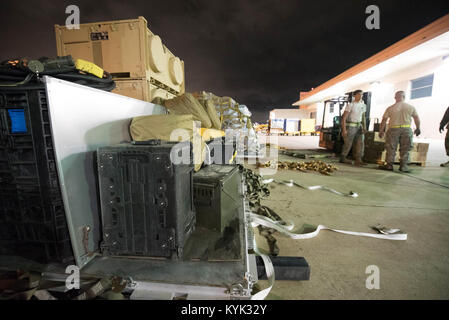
(330, 137)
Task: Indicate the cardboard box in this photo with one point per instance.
(373, 156)
(423, 147)
(125, 48)
(414, 157)
(369, 137)
(307, 125)
(377, 138)
(375, 146)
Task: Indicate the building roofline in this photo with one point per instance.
(432, 30)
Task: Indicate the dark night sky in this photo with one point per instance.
(260, 52)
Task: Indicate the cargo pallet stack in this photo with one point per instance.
(142, 67)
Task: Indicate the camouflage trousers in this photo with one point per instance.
(446, 142)
(403, 137)
(354, 136)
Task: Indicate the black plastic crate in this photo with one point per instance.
(53, 213)
(216, 194)
(30, 197)
(20, 155)
(9, 231)
(39, 232)
(42, 252)
(3, 155)
(26, 141)
(146, 199)
(31, 210)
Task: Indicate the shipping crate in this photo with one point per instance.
(376, 156)
(371, 137)
(141, 89)
(380, 146)
(415, 157)
(377, 138)
(422, 147)
(307, 126)
(292, 126)
(125, 48)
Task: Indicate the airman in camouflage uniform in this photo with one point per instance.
(399, 132)
(445, 122)
(353, 128)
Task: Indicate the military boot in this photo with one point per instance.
(387, 166)
(344, 160)
(445, 165)
(404, 166)
(360, 163)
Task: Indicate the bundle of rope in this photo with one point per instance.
(19, 73)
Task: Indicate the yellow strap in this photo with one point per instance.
(404, 126)
(233, 157)
(209, 133)
(89, 67)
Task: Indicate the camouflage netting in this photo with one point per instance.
(235, 117)
(164, 127)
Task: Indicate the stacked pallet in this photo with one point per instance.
(375, 150)
(142, 67)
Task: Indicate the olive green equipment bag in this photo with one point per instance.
(186, 104)
(170, 127)
(213, 114)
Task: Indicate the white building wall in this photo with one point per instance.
(430, 109)
(318, 108)
(291, 113)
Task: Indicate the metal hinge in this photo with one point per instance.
(86, 231)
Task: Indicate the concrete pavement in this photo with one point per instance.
(416, 203)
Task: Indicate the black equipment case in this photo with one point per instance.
(146, 199)
(216, 193)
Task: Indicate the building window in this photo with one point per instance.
(422, 87)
